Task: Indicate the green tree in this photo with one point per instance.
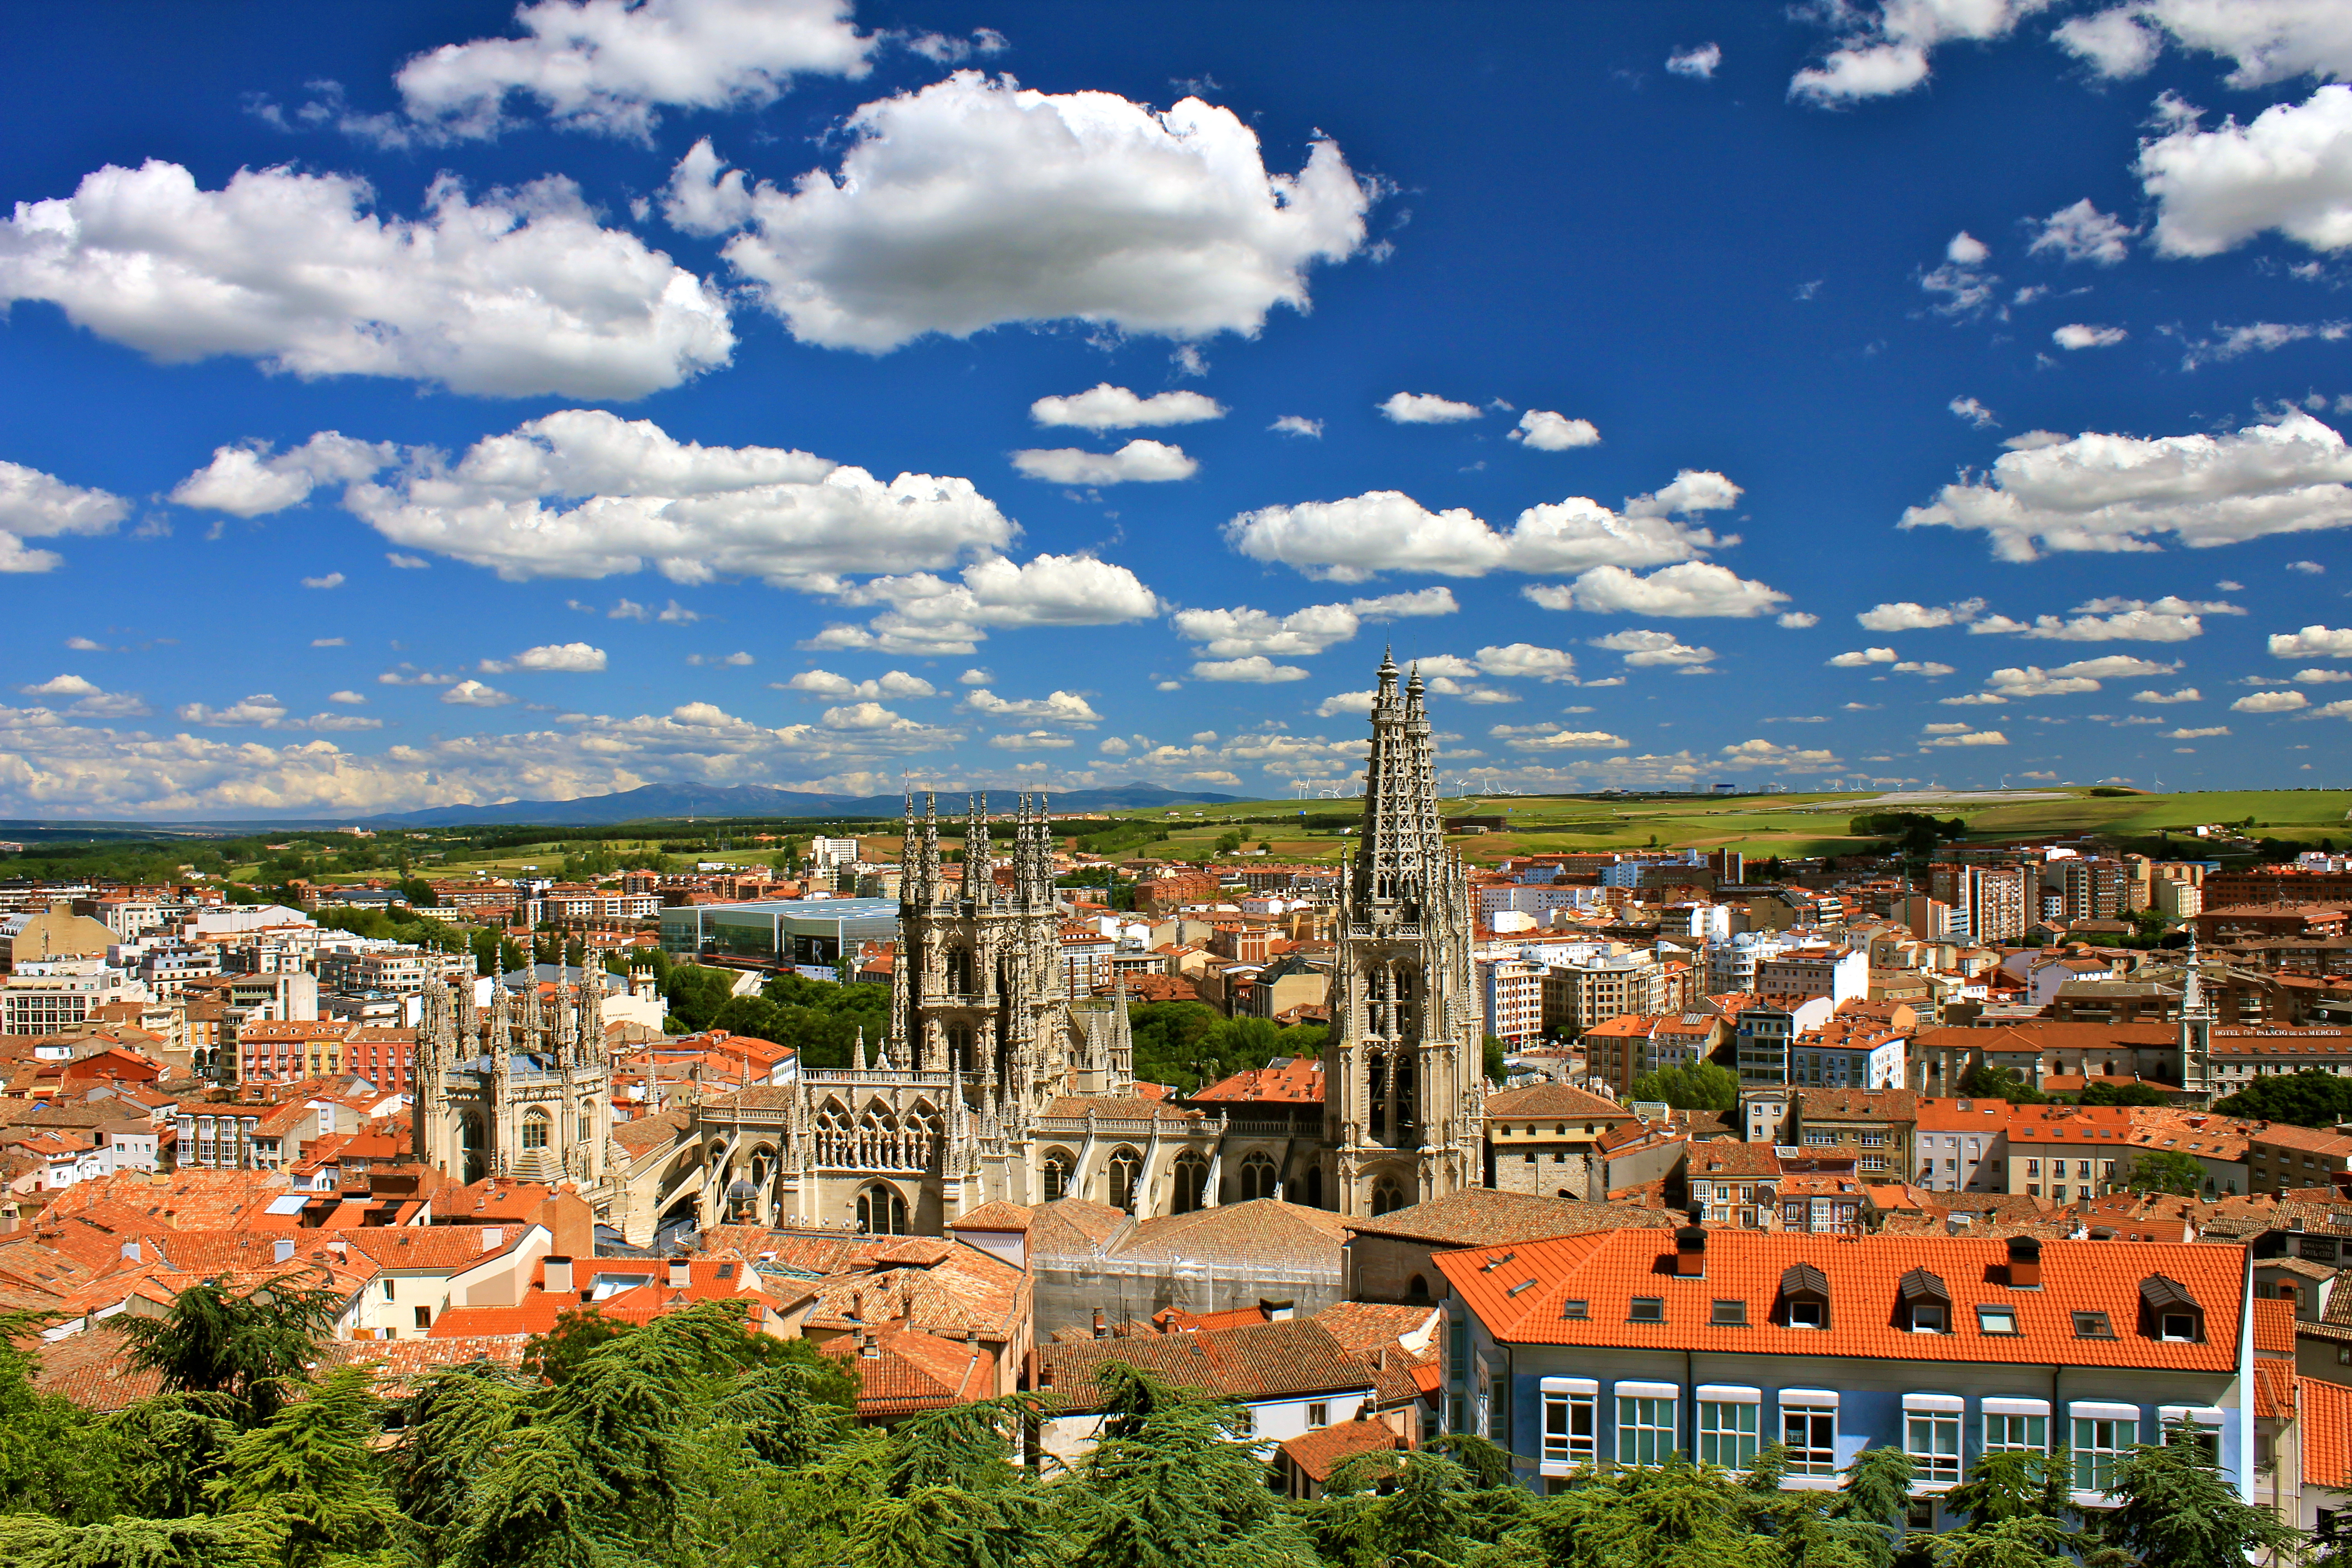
(2123, 1094)
(243, 1347)
(2312, 1098)
(1674, 1515)
(1700, 1086)
(1168, 1486)
(2165, 1171)
(1988, 1082)
(239, 1541)
(53, 1457)
(313, 1477)
(1491, 1052)
(695, 993)
(2175, 1509)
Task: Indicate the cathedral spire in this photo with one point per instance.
(978, 864)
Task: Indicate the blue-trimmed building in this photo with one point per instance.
(1622, 1347)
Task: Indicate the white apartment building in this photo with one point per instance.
(1731, 962)
(1840, 975)
(831, 854)
(1540, 900)
(48, 998)
(1510, 989)
(1600, 986)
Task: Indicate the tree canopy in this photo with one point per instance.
(691, 1442)
(2312, 1098)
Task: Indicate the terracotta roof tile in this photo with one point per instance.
(995, 1217)
(1555, 1099)
(1483, 1217)
(1265, 1360)
(1607, 1269)
(1323, 1450)
(2327, 1410)
(1262, 1231)
(914, 1372)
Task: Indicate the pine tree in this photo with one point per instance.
(312, 1476)
(2176, 1510)
(244, 1347)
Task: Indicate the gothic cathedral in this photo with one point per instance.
(1404, 1107)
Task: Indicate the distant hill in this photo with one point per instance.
(653, 802)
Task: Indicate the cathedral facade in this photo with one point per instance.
(524, 1091)
(1404, 1095)
(994, 1083)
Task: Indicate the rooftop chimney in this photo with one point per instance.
(556, 1275)
(867, 1346)
(681, 1273)
(2024, 1263)
(1690, 1253)
(493, 1238)
(130, 1250)
(280, 1251)
(1102, 1325)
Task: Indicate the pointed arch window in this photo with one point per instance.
(1259, 1177)
(1126, 1170)
(1055, 1173)
(881, 1211)
(1191, 1184)
(1387, 1195)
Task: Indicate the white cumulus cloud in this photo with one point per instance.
(1108, 408)
(1699, 62)
(930, 614)
(1388, 530)
(520, 293)
(1427, 408)
(1971, 737)
(1908, 616)
(248, 481)
(1883, 50)
(1549, 432)
(1057, 708)
(824, 683)
(1149, 462)
(1255, 668)
(1521, 660)
(2313, 642)
(1298, 424)
(972, 203)
(2078, 336)
(607, 66)
(474, 694)
(2265, 41)
(1860, 658)
(34, 505)
(573, 658)
(2083, 233)
(2169, 619)
(1234, 633)
(2270, 702)
(2289, 169)
(1695, 588)
(1645, 648)
(2098, 492)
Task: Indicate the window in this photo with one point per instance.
(1928, 1317)
(1729, 1315)
(1809, 1430)
(1056, 1173)
(423, 1317)
(1458, 1352)
(2181, 1327)
(1319, 1414)
(1577, 1309)
(881, 1211)
(2104, 1435)
(1570, 1420)
(387, 1289)
(534, 1130)
(1646, 1422)
(1125, 1167)
(1805, 1314)
(1646, 1309)
(2016, 1426)
(1931, 1436)
(1726, 1426)
(2093, 1326)
(1995, 1320)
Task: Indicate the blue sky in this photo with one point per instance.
(463, 403)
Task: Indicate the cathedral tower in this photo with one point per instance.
(1405, 1093)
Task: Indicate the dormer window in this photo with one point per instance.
(1804, 1296)
(1646, 1309)
(2169, 1310)
(1926, 1305)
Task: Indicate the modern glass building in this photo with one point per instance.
(807, 933)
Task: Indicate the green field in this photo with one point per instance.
(1758, 826)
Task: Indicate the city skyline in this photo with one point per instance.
(464, 404)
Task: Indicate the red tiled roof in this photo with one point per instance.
(915, 1372)
(1261, 1361)
(1323, 1450)
(1291, 1080)
(2327, 1410)
(1607, 1269)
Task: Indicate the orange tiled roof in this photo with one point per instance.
(1260, 1361)
(1323, 1450)
(1608, 1269)
(914, 1372)
(2326, 1409)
